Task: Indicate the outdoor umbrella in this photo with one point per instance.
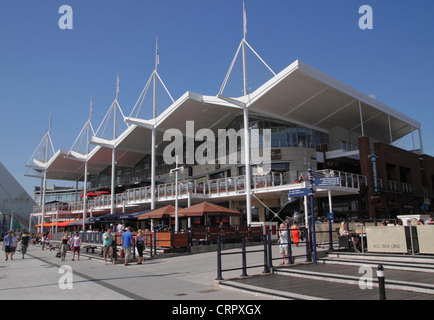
(158, 213)
(66, 223)
(132, 216)
(90, 194)
(206, 208)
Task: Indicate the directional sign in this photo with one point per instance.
(298, 193)
(326, 181)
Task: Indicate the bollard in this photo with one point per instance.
(243, 253)
(266, 267)
(290, 260)
(381, 282)
(270, 255)
(219, 259)
(330, 235)
(155, 241)
(150, 243)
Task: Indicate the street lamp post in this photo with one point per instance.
(176, 170)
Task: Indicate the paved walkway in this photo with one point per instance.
(186, 277)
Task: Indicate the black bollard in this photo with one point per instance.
(244, 258)
(219, 259)
(270, 254)
(381, 282)
(266, 267)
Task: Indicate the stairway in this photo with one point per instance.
(402, 272)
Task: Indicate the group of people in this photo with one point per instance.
(285, 236)
(108, 250)
(11, 241)
(73, 243)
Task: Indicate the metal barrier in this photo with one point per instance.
(243, 254)
(267, 252)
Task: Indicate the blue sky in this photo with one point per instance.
(44, 68)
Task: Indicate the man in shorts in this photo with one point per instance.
(127, 243)
(7, 245)
(76, 243)
(107, 245)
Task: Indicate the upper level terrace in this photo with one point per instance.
(272, 184)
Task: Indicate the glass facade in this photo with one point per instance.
(283, 134)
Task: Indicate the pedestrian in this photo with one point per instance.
(295, 233)
(44, 238)
(75, 245)
(119, 227)
(283, 240)
(13, 245)
(7, 244)
(127, 244)
(107, 245)
(64, 246)
(24, 243)
(140, 243)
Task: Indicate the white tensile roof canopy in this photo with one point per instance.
(299, 94)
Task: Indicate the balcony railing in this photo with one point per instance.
(199, 189)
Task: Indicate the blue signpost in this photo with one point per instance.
(295, 193)
(319, 182)
(326, 182)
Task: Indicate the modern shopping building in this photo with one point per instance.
(314, 121)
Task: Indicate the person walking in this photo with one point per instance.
(140, 243)
(127, 244)
(13, 245)
(107, 245)
(64, 246)
(24, 243)
(76, 243)
(7, 244)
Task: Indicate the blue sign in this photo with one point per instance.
(298, 193)
(326, 181)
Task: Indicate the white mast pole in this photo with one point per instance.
(112, 209)
(47, 138)
(246, 127)
(153, 147)
(85, 165)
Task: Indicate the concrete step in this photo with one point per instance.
(396, 262)
(354, 272)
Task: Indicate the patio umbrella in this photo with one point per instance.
(209, 209)
(90, 194)
(65, 223)
(158, 213)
